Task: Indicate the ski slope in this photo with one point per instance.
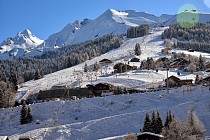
(151, 46)
(103, 117)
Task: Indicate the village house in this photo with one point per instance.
(105, 61)
(174, 81)
(205, 80)
(64, 93)
(135, 59)
(162, 62)
(121, 68)
(149, 136)
(100, 88)
(179, 63)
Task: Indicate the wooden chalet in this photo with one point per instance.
(179, 63)
(149, 136)
(100, 88)
(105, 61)
(121, 68)
(25, 138)
(205, 80)
(207, 66)
(64, 93)
(174, 81)
(135, 59)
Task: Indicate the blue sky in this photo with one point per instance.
(44, 17)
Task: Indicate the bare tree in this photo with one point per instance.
(130, 137)
(195, 123)
(192, 67)
(177, 130)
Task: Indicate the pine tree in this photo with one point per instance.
(153, 123)
(146, 127)
(13, 80)
(167, 120)
(137, 49)
(159, 123)
(85, 68)
(201, 63)
(29, 117)
(23, 115)
(37, 75)
(170, 115)
(26, 115)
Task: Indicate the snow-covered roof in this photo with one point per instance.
(152, 134)
(4, 138)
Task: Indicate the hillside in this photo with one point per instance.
(102, 117)
(151, 46)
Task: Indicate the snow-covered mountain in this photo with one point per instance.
(102, 117)
(60, 38)
(24, 42)
(110, 22)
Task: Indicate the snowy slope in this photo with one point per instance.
(21, 44)
(60, 37)
(151, 46)
(103, 117)
(98, 118)
(112, 22)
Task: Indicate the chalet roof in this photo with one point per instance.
(107, 84)
(206, 78)
(135, 59)
(105, 60)
(186, 80)
(163, 59)
(151, 134)
(174, 78)
(4, 138)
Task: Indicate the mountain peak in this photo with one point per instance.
(26, 32)
(114, 12)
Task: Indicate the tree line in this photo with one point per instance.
(27, 67)
(196, 38)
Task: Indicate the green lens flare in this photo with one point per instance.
(187, 16)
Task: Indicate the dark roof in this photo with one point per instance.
(151, 134)
(206, 79)
(135, 60)
(107, 84)
(174, 78)
(105, 61)
(186, 80)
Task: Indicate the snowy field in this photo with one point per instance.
(99, 118)
(102, 117)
